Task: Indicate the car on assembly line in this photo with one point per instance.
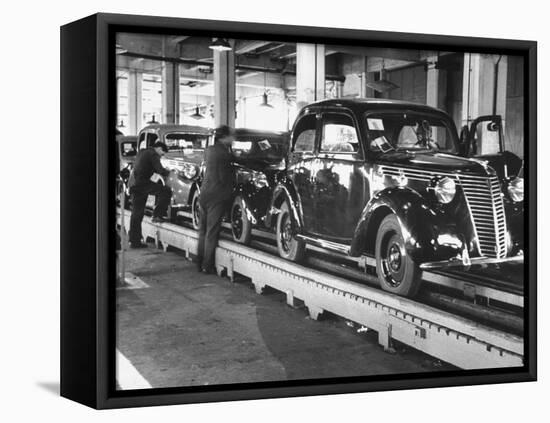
(259, 158)
(186, 145)
(393, 181)
(126, 154)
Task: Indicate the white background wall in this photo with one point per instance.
(29, 116)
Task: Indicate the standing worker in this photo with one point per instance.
(147, 162)
(215, 197)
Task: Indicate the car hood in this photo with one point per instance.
(435, 162)
(261, 165)
(190, 157)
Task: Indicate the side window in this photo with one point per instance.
(151, 138)
(339, 134)
(304, 134)
(141, 141)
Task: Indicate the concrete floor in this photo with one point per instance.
(187, 328)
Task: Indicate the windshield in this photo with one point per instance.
(250, 147)
(410, 131)
(128, 149)
(176, 141)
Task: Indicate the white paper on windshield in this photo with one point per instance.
(241, 145)
(264, 145)
(375, 124)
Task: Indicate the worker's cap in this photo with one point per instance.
(161, 145)
(223, 131)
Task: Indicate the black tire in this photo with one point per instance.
(288, 246)
(397, 272)
(241, 226)
(195, 211)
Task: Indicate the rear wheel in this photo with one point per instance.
(195, 211)
(288, 246)
(241, 227)
(397, 272)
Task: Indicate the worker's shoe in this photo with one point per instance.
(135, 245)
(158, 219)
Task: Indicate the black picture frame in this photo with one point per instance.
(88, 119)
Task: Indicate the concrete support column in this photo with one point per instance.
(484, 86)
(134, 102)
(224, 88)
(310, 73)
(436, 84)
(170, 93)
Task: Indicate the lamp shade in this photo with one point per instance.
(220, 44)
(197, 115)
(265, 103)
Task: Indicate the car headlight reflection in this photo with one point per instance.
(259, 180)
(445, 190)
(515, 189)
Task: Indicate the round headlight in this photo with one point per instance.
(445, 190)
(515, 189)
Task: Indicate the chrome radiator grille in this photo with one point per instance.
(484, 200)
(487, 209)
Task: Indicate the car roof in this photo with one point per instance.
(258, 132)
(362, 104)
(171, 127)
(126, 138)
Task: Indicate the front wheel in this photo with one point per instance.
(195, 211)
(241, 227)
(397, 272)
(288, 246)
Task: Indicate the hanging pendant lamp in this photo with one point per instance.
(221, 44)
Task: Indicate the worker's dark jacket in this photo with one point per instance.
(217, 185)
(147, 162)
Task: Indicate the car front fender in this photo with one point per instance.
(284, 191)
(428, 234)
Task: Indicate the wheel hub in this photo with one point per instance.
(394, 257)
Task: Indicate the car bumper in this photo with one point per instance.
(468, 262)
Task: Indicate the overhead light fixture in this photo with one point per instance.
(152, 121)
(265, 103)
(121, 124)
(220, 44)
(382, 85)
(197, 115)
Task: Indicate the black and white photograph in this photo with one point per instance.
(234, 211)
(290, 211)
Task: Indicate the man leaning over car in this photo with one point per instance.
(215, 197)
(147, 162)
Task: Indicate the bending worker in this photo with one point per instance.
(147, 162)
(215, 197)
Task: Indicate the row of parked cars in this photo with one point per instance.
(386, 179)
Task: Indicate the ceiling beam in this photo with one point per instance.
(243, 47)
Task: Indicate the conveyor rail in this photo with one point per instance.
(453, 339)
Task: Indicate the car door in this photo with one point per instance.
(338, 185)
(484, 137)
(301, 160)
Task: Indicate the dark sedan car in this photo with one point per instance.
(387, 179)
(259, 158)
(186, 145)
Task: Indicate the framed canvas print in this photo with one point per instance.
(254, 211)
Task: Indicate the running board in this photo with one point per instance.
(329, 245)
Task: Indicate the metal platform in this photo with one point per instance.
(453, 339)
